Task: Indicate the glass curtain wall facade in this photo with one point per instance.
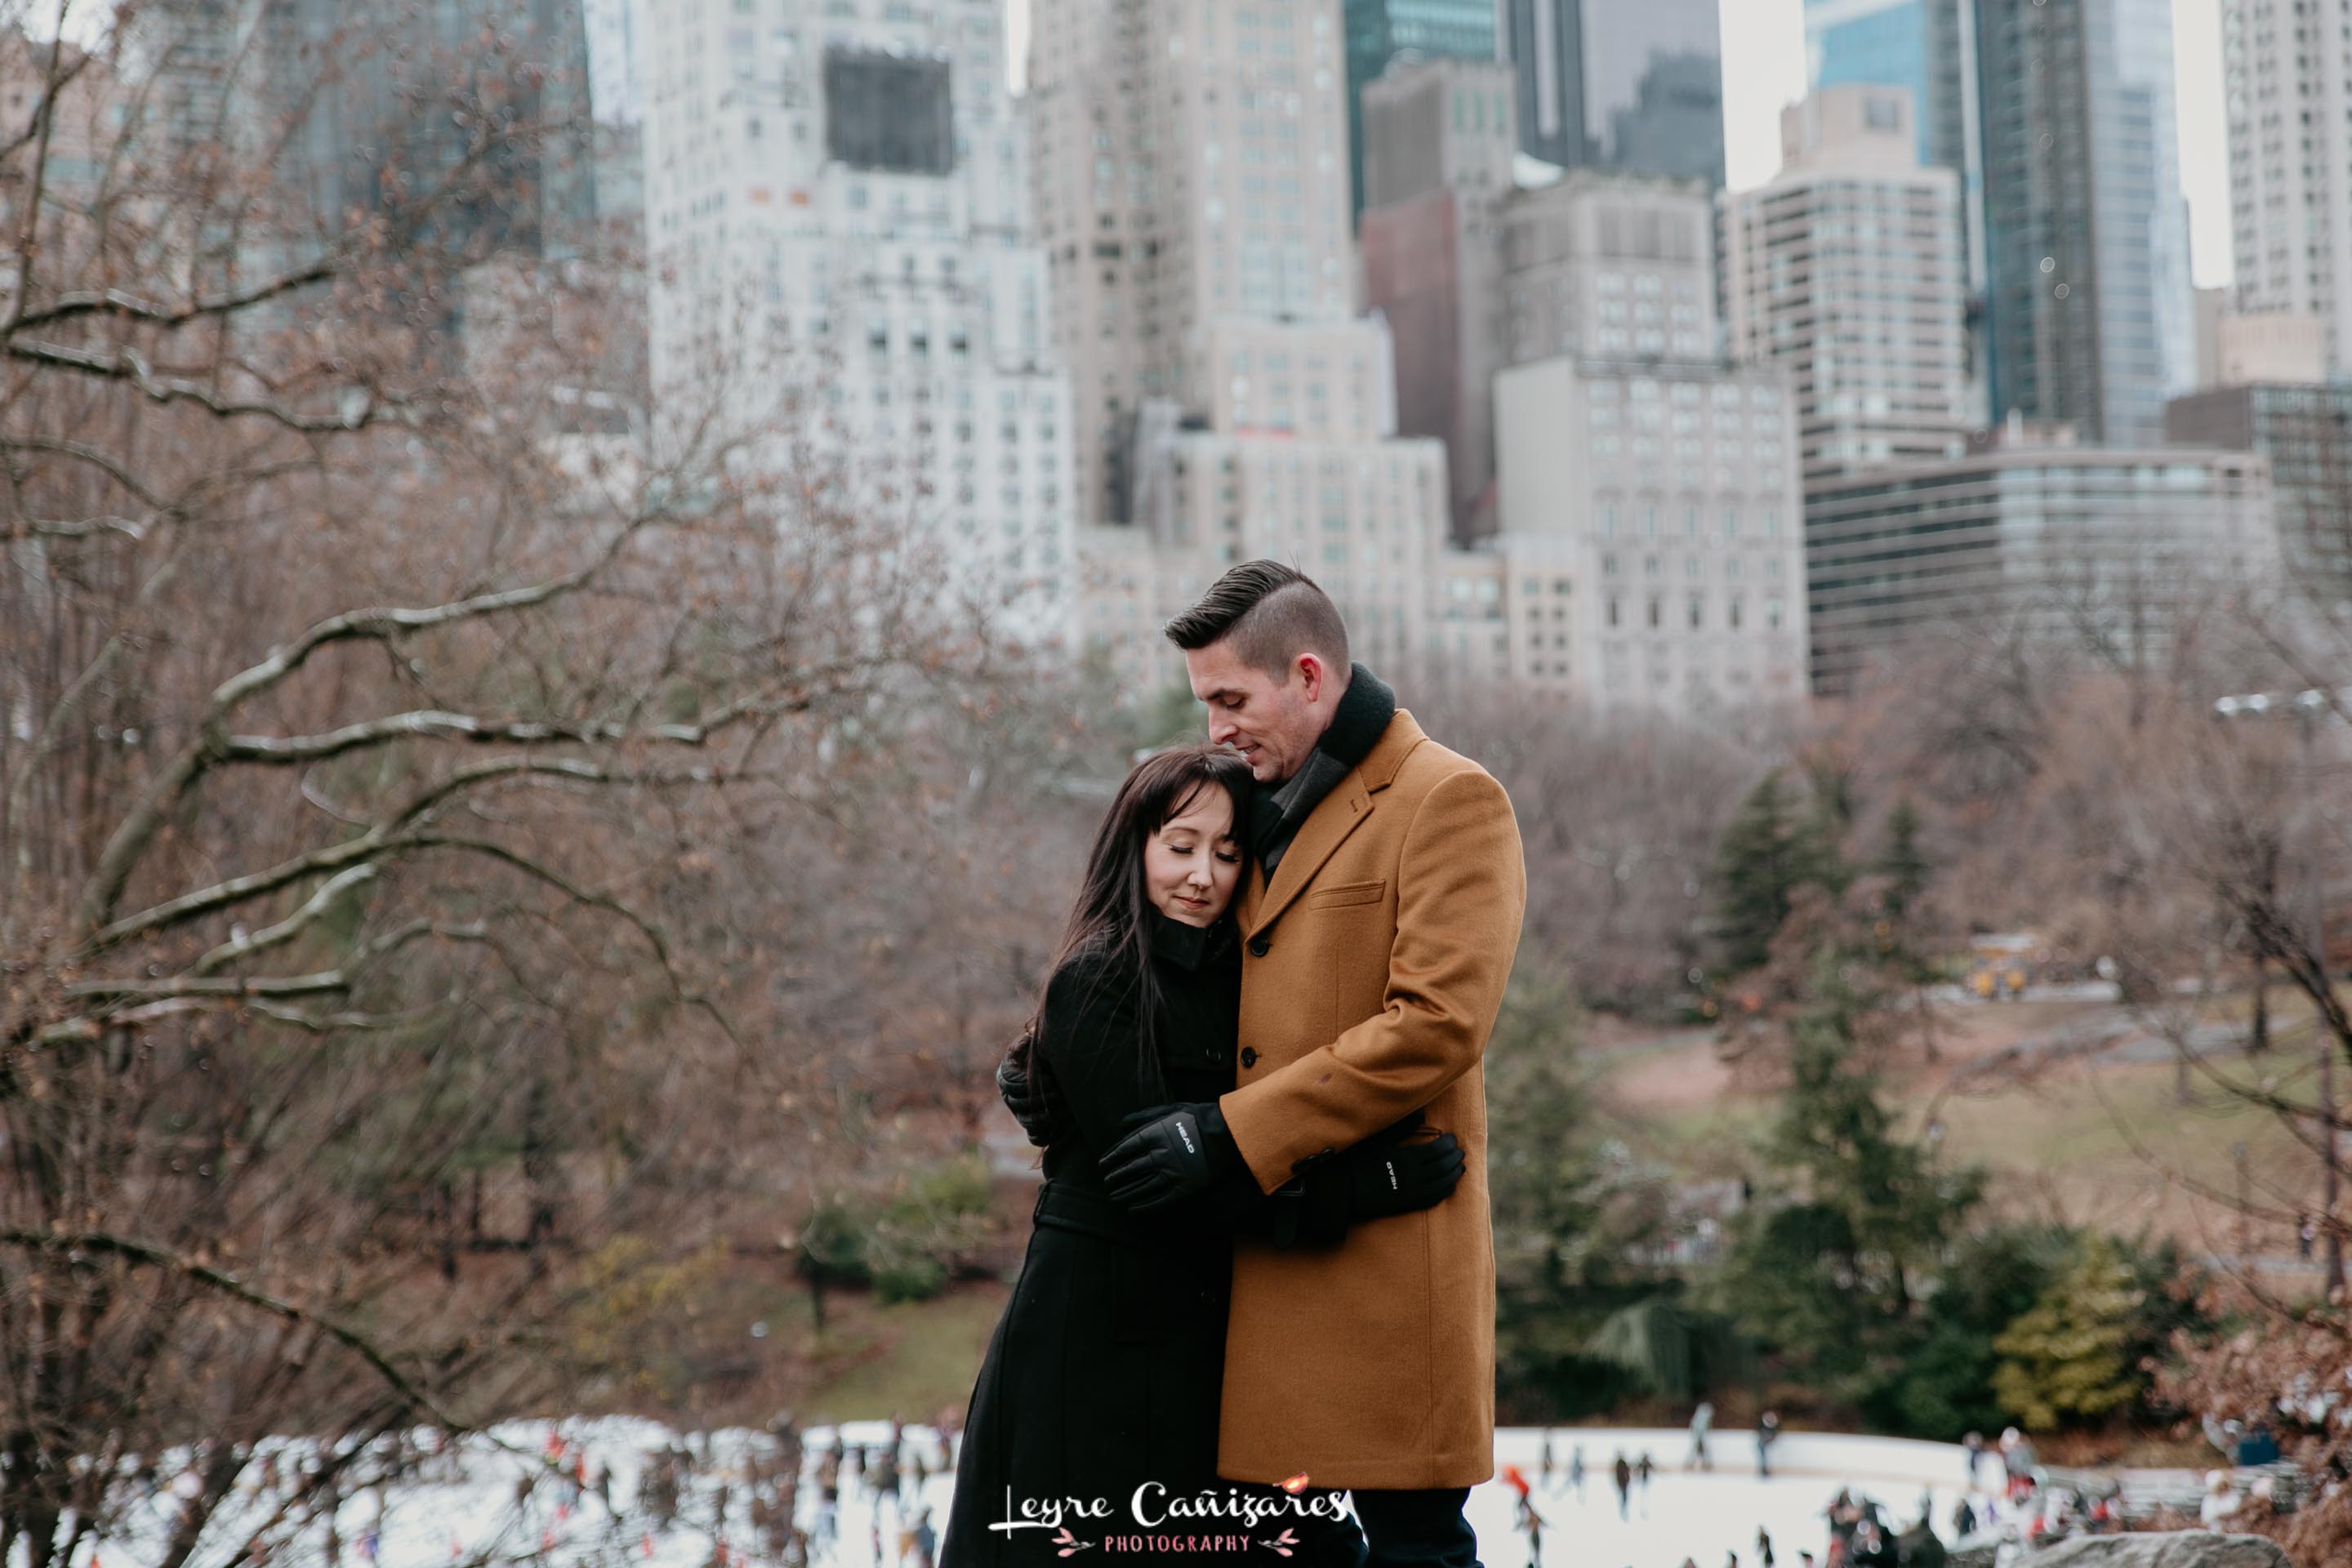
(2090, 318)
(1636, 88)
(1382, 31)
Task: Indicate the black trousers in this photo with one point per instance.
(1322, 1543)
(1406, 1529)
(1418, 1528)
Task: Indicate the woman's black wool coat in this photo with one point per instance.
(1106, 1368)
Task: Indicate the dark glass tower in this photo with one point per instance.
(2089, 301)
(1381, 31)
(1630, 85)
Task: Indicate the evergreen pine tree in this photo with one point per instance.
(1902, 862)
(1770, 849)
(2070, 1357)
(1756, 869)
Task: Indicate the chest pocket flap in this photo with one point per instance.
(1347, 893)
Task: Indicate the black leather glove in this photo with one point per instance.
(1374, 1180)
(1400, 1180)
(1170, 1153)
(1030, 1098)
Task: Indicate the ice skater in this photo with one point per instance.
(1702, 1421)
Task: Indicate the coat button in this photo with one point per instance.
(1249, 1055)
(1259, 943)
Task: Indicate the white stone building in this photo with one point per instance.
(2288, 74)
(1652, 549)
(836, 212)
(1847, 269)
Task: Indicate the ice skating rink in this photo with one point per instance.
(467, 1508)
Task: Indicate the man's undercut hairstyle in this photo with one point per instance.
(1270, 614)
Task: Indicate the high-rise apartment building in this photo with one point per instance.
(1662, 502)
(1925, 47)
(836, 207)
(1650, 541)
(1634, 86)
(2288, 68)
(1606, 267)
(2089, 314)
(2032, 532)
(1193, 196)
(1441, 147)
(1382, 33)
(1190, 168)
(1846, 269)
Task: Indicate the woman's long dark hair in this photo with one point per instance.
(1111, 920)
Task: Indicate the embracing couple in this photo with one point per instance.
(1262, 1252)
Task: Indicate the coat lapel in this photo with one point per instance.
(1319, 837)
(1327, 828)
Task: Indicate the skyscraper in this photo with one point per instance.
(1380, 32)
(1846, 269)
(1440, 153)
(837, 204)
(2089, 311)
(1634, 86)
(1652, 486)
(1193, 193)
(1928, 48)
(2290, 162)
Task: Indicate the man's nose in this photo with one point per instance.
(1220, 729)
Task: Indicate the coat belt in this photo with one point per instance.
(1065, 1206)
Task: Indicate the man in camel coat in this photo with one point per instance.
(1378, 928)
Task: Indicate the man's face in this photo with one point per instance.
(1274, 723)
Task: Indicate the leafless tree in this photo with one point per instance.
(451, 847)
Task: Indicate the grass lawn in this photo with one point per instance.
(916, 1358)
(2109, 1144)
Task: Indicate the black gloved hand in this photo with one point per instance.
(1170, 1153)
(1382, 1176)
(1029, 1098)
(1402, 1178)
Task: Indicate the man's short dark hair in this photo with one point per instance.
(1270, 614)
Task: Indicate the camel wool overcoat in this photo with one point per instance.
(1373, 965)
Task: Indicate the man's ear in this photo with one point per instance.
(1312, 674)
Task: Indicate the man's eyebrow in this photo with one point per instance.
(1217, 694)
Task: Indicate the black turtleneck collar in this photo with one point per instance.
(1184, 945)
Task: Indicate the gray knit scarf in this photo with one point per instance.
(1357, 725)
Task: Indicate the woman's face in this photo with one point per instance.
(1191, 865)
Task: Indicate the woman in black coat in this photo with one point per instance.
(1105, 1371)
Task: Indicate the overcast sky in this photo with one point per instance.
(1767, 37)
